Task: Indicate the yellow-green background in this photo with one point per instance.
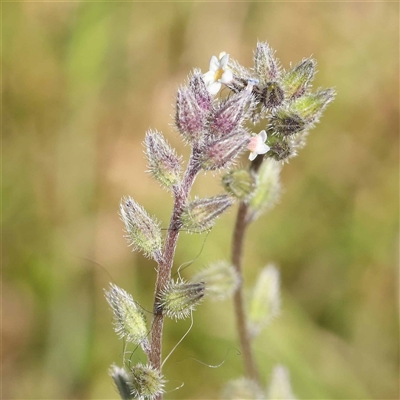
(81, 84)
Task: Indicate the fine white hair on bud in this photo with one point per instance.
(243, 388)
(179, 299)
(122, 381)
(147, 382)
(129, 321)
(143, 232)
(190, 118)
(297, 80)
(220, 278)
(268, 188)
(162, 160)
(222, 153)
(201, 214)
(265, 300)
(266, 65)
(279, 387)
(231, 114)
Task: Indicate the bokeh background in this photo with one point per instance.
(82, 82)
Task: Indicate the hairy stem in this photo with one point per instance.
(236, 257)
(164, 267)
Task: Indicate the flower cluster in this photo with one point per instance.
(218, 130)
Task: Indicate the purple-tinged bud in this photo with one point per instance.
(272, 95)
(223, 152)
(122, 381)
(239, 183)
(129, 321)
(230, 114)
(147, 382)
(201, 94)
(163, 162)
(296, 81)
(265, 64)
(180, 298)
(201, 214)
(143, 232)
(190, 119)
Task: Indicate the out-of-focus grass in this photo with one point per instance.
(81, 84)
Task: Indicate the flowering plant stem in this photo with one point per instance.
(181, 194)
(239, 232)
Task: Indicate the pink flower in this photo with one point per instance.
(257, 145)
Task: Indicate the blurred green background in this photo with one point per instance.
(82, 82)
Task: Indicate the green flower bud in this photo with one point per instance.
(163, 162)
(239, 183)
(221, 280)
(147, 382)
(285, 122)
(180, 298)
(264, 302)
(296, 81)
(143, 232)
(268, 188)
(280, 387)
(129, 321)
(200, 215)
(243, 388)
(122, 381)
(279, 148)
(311, 106)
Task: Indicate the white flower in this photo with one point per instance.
(218, 73)
(257, 145)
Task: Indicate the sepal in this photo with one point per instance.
(129, 321)
(143, 233)
(201, 214)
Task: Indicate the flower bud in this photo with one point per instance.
(201, 214)
(163, 162)
(223, 152)
(296, 81)
(189, 118)
(265, 64)
(147, 382)
(285, 122)
(221, 280)
(268, 188)
(264, 302)
(239, 183)
(178, 299)
(279, 148)
(143, 233)
(129, 321)
(280, 387)
(201, 94)
(272, 95)
(243, 388)
(310, 107)
(231, 113)
(122, 381)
